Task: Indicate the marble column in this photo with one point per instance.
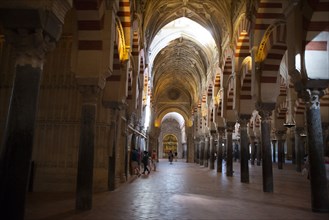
(201, 151)
(212, 152)
(189, 154)
(206, 152)
(279, 135)
(114, 142)
(229, 146)
(196, 151)
(273, 150)
(325, 131)
(244, 148)
(84, 187)
(319, 189)
(265, 111)
(221, 133)
(31, 43)
(298, 148)
(293, 149)
(258, 151)
(252, 144)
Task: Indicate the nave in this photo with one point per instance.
(188, 191)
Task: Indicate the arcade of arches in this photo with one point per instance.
(82, 82)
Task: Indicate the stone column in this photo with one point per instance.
(244, 148)
(221, 133)
(212, 152)
(31, 41)
(265, 111)
(206, 152)
(258, 151)
(189, 154)
(86, 147)
(229, 146)
(201, 151)
(114, 137)
(252, 156)
(325, 130)
(273, 150)
(196, 151)
(279, 135)
(293, 151)
(319, 189)
(298, 148)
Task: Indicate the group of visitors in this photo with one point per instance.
(145, 159)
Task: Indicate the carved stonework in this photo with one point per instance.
(30, 46)
(243, 120)
(90, 93)
(299, 130)
(265, 110)
(280, 134)
(314, 101)
(221, 131)
(230, 126)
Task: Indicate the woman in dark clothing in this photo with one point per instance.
(145, 162)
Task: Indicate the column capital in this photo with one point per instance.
(243, 120)
(313, 101)
(265, 110)
(33, 28)
(30, 47)
(229, 126)
(90, 93)
(299, 130)
(280, 134)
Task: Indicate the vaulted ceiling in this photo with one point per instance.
(181, 60)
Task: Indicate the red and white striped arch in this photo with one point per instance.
(116, 75)
(125, 18)
(230, 95)
(317, 40)
(282, 102)
(268, 12)
(242, 42)
(299, 110)
(245, 93)
(90, 24)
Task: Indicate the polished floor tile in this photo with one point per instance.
(188, 191)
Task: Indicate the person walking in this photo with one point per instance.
(170, 156)
(135, 162)
(145, 161)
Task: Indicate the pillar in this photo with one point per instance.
(31, 41)
(221, 133)
(201, 151)
(196, 151)
(293, 149)
(206, 152)
(273, 150)
(258, 146)
(279, 135)
(229, 146)
(212, 152)
(319, 189)
(298, 148)
(244, 148)
(265, 111)
(86, 147)
(252, 144)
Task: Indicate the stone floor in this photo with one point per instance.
(188, 191)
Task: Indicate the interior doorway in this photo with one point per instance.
(170, 143)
